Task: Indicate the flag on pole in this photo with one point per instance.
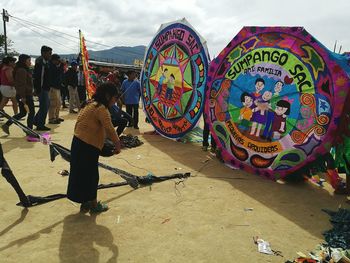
(89, 83)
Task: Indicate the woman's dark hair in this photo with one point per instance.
(8, 59)
(21, 63)
(104, 92)
(55, 57)
(284, 104)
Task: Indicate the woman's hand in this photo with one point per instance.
(117, 147)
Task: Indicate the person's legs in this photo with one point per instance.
(119, 120)
(14, 105)
(31, 113)
(205, 142)
(72, 97)
(64, 94)
(252, 131)
(11, 179)
(44, 104)
(82, 93)
(136, 115)
(22, 111)
(84, 176)
(3, 102)
(18, 116)
(77, 100)
(58, 104)
(129, 111)
(53, 105)
(71, 104)
(258, 130)
(126, 116)
(121, 126)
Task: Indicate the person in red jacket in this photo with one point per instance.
(7, 88)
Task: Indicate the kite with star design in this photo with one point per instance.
(173, 79)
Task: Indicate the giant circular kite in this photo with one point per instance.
(173, 79)
(274, 98)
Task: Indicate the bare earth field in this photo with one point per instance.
(202, 219)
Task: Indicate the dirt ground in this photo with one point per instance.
(203, 219)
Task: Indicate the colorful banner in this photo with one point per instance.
(274, 99)
(89, 83)
(173, 79)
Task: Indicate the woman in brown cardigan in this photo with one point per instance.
(91, 129)
(23, 83)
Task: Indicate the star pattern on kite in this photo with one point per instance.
(171, 57)
(314, 60)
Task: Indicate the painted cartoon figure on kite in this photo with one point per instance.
(246, 112)
(259, 115)
(173, 80)
(170, 87)
(162, 79)
(270, 114)
(279, 120)
(297, 89)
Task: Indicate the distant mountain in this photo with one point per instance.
(120, 55)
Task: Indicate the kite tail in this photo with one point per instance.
(11, 179)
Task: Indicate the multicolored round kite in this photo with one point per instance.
(173, 79)
(274, 98)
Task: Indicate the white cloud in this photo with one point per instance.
(134, 22)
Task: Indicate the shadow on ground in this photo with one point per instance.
(80, 234)
(300, 203)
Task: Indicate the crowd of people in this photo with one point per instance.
(54, 81)
(98, 118)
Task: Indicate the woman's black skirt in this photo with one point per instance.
(83, 177)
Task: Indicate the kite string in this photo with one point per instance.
(141, 168)
(176, 189)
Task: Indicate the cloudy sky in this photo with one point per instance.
(134, 22)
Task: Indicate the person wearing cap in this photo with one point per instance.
(7, 88)
(42, 87)
(24, 89)
(132, 93)
(56, 76)
(71, 78)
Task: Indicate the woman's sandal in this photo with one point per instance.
(99, 208)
